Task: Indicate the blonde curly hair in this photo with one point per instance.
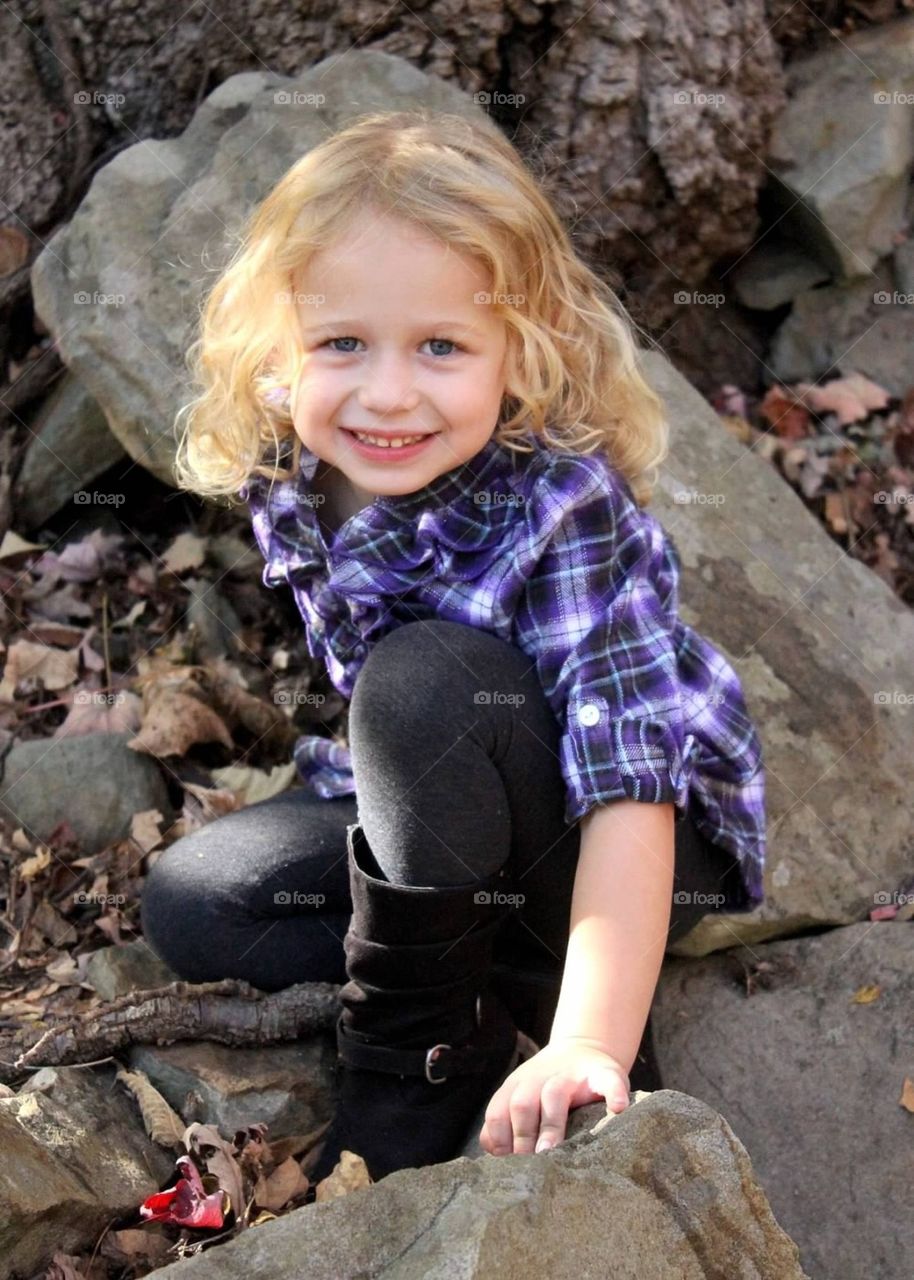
(572, 369)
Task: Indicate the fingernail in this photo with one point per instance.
(544, 1144)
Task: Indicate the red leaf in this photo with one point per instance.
(186, 1203)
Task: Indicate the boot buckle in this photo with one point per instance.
(430, 1059)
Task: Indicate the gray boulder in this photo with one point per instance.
(811, 1081)
(663, 1191)
(93, 780)
(842, 148)
(75, 1156)
(822, 647)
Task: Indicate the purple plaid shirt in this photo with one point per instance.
(550, 551)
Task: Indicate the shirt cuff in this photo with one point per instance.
(606, 757)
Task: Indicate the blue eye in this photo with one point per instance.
(447, 342)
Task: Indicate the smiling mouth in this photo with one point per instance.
(389, 441)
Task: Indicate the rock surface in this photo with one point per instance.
(70, 445)
(290, 1088)
(822, 647)
(74, 1157)
(843, 146)
(811, 1081)
(92, 780)
(133, 966)
(663, 1191)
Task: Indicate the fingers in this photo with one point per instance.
(554, 1102)
(529, 1117)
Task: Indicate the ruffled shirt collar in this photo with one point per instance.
(452, 528)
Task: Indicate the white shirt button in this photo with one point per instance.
(589, 713)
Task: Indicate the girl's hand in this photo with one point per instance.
(530, 1109)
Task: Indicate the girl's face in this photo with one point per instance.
(400, 340)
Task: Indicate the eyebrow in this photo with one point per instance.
(429, 324)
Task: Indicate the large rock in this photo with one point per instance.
(74, 1157)
(92, 780)
(663, 1191)
(69, 446)
(823, 649)
(289, 1087)
(811, 1081)
(843, 147)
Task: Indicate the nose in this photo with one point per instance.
(388, 385)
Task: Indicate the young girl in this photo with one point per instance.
(435, 412)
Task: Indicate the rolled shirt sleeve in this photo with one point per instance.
(600, 617)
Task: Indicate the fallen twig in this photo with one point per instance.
(231, 1012)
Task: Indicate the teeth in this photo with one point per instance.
(394, 443)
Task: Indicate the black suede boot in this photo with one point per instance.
(422, 1040)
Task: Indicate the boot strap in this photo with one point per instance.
(435, 1063)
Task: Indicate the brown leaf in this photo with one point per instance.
(350, 1174)
(907, 1094)
(206, 1142)
(188, 551)
(14, 250)
(788, 418)
(163, 1125)
(851, 398)
(866, 995)
(174, 721)
(25, 660)
(285, 1183)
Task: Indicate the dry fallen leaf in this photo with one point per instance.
(249, 785)
(852, 398)
(907, 1094)
(350, 1174)
(162, 1124)
(188, 551)
(56, 668)
(285, 1183)
(789, 419)
(866, 995)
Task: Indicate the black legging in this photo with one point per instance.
(455, 757)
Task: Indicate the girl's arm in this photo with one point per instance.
(620, 915)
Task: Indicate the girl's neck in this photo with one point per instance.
(341, 499)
